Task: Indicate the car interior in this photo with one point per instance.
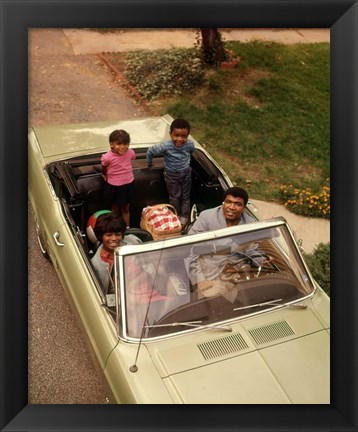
(78, 183)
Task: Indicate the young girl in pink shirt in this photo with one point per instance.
(118, 174)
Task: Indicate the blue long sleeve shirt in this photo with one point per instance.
(176, 159)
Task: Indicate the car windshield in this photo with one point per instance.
(208, 280)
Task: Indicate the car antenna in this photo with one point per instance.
(134, 367)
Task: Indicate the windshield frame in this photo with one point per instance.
(162, 245)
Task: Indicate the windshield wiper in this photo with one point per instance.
(192, 324)
(276, 302)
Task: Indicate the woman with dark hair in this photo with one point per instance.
(109, 230)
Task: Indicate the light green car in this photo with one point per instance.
(262, 337)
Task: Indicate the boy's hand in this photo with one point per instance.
(104, 177)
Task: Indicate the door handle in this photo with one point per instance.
(56, 236)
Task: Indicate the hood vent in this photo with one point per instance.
(271, 332)
(223, 346)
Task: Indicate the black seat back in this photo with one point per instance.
(142, 234)
(91, 187)
(148, 189)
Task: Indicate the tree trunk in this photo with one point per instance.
(212, 46)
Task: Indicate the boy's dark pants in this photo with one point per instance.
(178, 187)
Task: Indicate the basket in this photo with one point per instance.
(161, 221)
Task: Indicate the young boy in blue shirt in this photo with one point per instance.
(177, 172)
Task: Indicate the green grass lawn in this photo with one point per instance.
(266, 122)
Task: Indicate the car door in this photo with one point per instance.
(62, 245)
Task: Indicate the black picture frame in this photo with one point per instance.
(17, 17)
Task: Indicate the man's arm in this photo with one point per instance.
(202, 224)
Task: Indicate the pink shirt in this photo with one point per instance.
(119, 167)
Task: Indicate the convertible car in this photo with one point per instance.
(263, 337)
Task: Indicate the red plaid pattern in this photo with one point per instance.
(161, 219)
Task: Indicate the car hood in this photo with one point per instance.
(272, 362)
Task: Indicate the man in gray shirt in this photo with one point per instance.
(230, 213)
(205, 270)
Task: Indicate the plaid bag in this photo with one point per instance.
(161, 221)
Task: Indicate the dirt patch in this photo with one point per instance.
(246, 81)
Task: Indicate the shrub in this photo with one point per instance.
(307, 203)
(164, 72)
(319, 265)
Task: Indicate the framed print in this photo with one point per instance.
(17, 18)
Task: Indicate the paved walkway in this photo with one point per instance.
(85, 41)
(311, 230)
